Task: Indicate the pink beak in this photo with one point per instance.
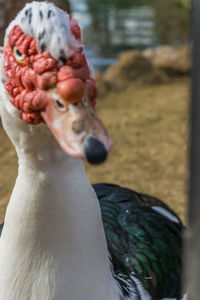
(77, 128)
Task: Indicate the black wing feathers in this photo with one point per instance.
(141, 240)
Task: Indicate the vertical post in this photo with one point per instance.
(192, 265)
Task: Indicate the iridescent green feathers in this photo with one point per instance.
(141, 241)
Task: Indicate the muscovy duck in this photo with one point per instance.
(54, 244)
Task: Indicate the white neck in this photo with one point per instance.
(53, 244)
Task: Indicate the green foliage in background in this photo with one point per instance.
(184, 3)
(171, 17)
(172, 21)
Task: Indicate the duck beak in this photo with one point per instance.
(77, 128)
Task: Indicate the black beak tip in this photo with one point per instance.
(95, 150)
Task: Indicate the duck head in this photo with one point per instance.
(48, 80)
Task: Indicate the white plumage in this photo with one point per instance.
(49, 25)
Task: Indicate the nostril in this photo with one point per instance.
(95, 150)
(59, 104)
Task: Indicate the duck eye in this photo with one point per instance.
(18, 55)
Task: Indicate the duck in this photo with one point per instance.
(62, 238)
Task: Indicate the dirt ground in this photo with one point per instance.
(149, 128)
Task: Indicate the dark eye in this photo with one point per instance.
(18, 55)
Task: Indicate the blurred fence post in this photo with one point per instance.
(192, 257)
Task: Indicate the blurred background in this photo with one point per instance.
(111, 26)
(140, 50)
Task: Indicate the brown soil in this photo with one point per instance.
(149, 128)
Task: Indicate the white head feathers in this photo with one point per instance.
(49, 25)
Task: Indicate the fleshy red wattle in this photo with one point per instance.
(45, 89)
(75, 29)
(39, 72)
(71, 90)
